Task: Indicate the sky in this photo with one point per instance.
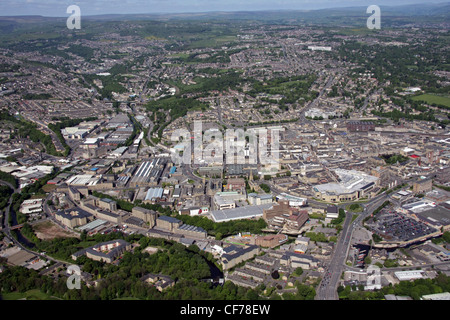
(58, 8)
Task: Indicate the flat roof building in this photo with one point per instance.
(409, 275)
(105, 251)
(246, 212)
(352, 185)
(73, 217)
(235, 254)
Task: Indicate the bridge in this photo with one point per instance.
(16, 227)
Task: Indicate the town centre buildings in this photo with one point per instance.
(352, 185)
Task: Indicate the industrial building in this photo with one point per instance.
(234, 254)
(73, 217)
(148, 173)
(247, 212)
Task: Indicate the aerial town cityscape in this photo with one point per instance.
(220, 156)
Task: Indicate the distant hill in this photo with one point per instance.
(440, 10)
(424, 9)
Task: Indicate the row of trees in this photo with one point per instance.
(29, 130)
(187, 266)
(118, 285)
(4, 176)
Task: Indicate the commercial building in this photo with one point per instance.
(422, 186)
(332, 212)
(278, 209)
(194, 211)
(319, 48)
(293, 200)
(93, 226)
(227, 200)
(271, 240)
(281, 216)
(235, 184)
(31, 206)
(247, 212)
(409, 275)
(258, 199)
(215, 171)
(352, 185)
(357, 126)
(296, 220)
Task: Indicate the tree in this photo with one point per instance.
(298, 271)
(265, 187)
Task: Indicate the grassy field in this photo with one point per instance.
(354, 208)
(34, 294)
(432, 98)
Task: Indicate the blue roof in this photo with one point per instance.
(169, 219)
(154, 193)
(172, 170)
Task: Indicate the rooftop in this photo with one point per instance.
(239, 213)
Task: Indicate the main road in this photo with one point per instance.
(328, 286)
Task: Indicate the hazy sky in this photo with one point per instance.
(95, 7)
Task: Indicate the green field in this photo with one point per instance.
(432, 98)
(34, 294)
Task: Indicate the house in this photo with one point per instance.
(160, 282)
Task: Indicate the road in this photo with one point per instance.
(6, 227)
(314, 103)
(328, 287)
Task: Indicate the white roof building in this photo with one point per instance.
(409, 275)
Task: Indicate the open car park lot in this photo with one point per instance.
(397, 226)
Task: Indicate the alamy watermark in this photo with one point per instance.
(74, 21)
(374, 21)
(235, 146)
(74, 280)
